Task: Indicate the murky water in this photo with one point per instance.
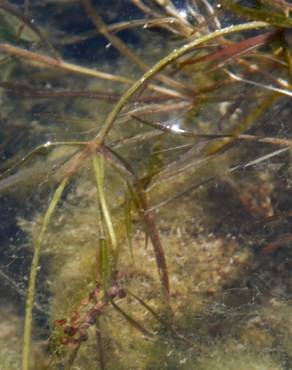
(163, 241)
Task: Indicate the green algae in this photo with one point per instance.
(191, 293)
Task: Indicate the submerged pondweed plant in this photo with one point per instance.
(165, 240)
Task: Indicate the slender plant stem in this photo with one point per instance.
(99, 174)
(28, 23)
(27, 335)
(60, 64)
(99, 344)
(240, 137)
(149, 217)
(133, 321)
(243, 125)
(114, 40)
(175, 54)
(103, 29)
(76, 69)
(36, 150)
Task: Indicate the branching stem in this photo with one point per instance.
(175, 54)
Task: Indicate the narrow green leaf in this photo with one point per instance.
(128, 223)
(26, 349)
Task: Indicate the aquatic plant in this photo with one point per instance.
(202, 108)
